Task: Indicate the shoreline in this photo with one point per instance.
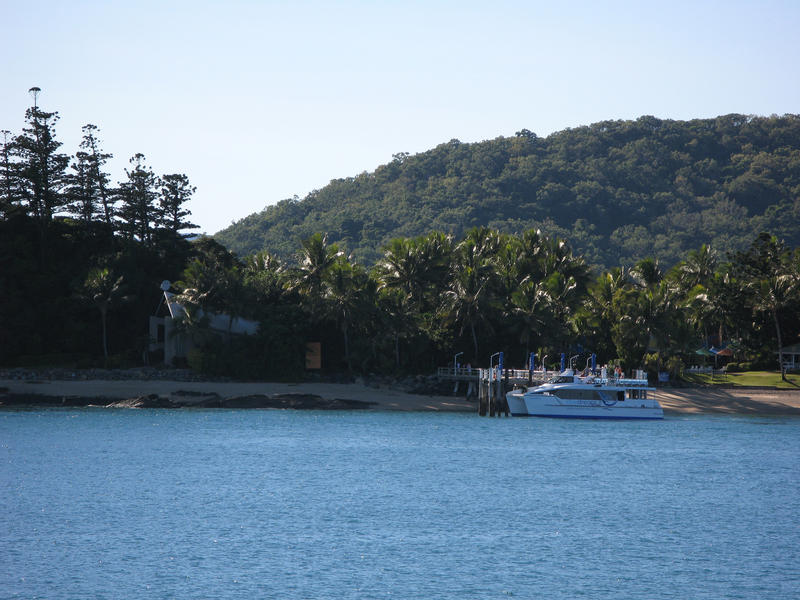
(187, 394)
(134, 393)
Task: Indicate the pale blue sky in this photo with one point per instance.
(257, 101)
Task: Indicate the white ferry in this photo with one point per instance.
(569, 395)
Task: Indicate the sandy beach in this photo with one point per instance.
(739, 401)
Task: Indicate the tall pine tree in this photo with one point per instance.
(81, 192)
(88, 192)
(96, 159)
(175, 193)
(137, 211)
(9, 178)
(42, 172)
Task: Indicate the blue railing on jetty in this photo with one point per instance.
(469, 374)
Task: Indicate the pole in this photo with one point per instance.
(531, 367)
(455, 363)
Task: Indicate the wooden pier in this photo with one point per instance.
(490, 385)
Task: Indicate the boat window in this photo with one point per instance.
(562, 379)
(633, 394)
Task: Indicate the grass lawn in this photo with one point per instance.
(746, 379)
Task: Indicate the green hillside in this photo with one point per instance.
(618, 191)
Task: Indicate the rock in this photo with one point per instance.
(253, 401)
(149, 401)
(292, 401)
(187, 398)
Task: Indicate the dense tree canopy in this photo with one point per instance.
(70, 241)
(618, 191)
(432, 296)
(429, 256)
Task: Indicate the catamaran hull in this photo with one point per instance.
(537, 405)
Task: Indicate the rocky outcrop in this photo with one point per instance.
(187, 399)
(292, 401)
(149, 401)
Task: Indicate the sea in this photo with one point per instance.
(113, 503)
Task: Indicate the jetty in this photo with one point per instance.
(490, 385)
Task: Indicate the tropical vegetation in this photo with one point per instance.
(619, 191)
(81, 260)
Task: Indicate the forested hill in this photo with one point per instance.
(618, 191)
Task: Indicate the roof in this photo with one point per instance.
(218, 322)
(793, 349)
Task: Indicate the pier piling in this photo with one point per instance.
(491, 385)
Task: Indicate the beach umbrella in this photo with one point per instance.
(703, 352)
(715, 352)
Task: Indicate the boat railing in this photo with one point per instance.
(623, 382)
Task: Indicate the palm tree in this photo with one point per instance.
(697, 269)
(212, 283)
(399, 317)
(416, 266)
(565, 297)
(771, 295)
(469, 300)
(557, 257)
(629, 328)
(769, 272)
(317, 257)
(103, 288)
(192, 323)
(264, 276)
(532, 248)
(596, 315)
(532, 305)
(436, 250)
(483, 243)
(711, 304)
(401, 268)
(647, 273)
(507, 262)
(343, 284)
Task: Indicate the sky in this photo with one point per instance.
(258, 101)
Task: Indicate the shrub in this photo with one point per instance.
(675, 366)
(652, 364)
(196, 360)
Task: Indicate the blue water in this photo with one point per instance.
(100, 503)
